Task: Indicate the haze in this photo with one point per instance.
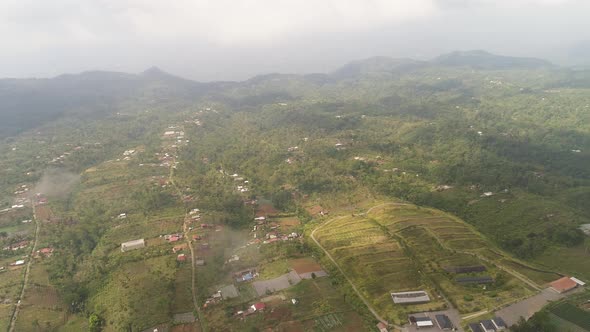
(233, 40)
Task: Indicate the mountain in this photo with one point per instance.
(485, 60)
(376, 65)
(27, 103)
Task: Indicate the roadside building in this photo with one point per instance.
(475, 280)
(563, 285)
(487, 326)
(443, 322)
(382, 327)
(132, 245)
(499, 324)
(423, 322)
(475, 327)
(412, 297)
(259, 306)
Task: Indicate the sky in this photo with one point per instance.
(237, 39)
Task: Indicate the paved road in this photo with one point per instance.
(12, 326)
(526, 308)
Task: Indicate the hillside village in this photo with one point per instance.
(251, 210)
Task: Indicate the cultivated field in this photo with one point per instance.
(399, 247)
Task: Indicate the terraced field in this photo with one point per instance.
(376, 263)
(405, 247)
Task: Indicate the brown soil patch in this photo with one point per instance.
(44, 213)
(304, 265)
(291, 327)
(42, 296)
(266, 210)
(314, 210)
(192, 327)
(289, 222)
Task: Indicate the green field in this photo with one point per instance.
(572, 314)
(400, 247)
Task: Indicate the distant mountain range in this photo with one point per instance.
(26, 103)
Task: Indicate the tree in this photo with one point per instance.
(94, 323)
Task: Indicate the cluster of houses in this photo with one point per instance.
(243, 187)
(17, 245)
(273, 235)
(173, 237)
(176, 133)
(127, 154)
(245, 275)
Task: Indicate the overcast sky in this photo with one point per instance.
(235, 39)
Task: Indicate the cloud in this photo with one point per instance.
(28, 24)
(216, 39)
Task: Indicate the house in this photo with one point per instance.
(259, 306)
(475, 280)
(174, 238)
(563, 285)
(475, 328)
(578, 281)
(196, 237)
(179, 248)
(499, 324)
(443, 322)
(200, 262)
(381, 327)
(17, 246)
(487, 326)
(45, 252)
(465, 269)
(181, 258)
(410, 297)
(18, 263)
(204, 246)
(423, 322)
(132, 245)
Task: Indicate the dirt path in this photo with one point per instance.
(12, 325)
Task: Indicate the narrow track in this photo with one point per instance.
(14, 317)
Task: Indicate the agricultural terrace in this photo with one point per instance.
(404, 247)
(376, 264)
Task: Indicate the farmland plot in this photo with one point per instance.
(404, 248)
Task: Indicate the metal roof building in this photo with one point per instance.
(410, 297)
(131, 245)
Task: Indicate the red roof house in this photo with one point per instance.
(259, 306)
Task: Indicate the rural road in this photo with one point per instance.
(12, 325)
(185, 230)
(379, 318)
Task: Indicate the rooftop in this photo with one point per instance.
(563, 284)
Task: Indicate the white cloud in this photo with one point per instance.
(222, 21)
